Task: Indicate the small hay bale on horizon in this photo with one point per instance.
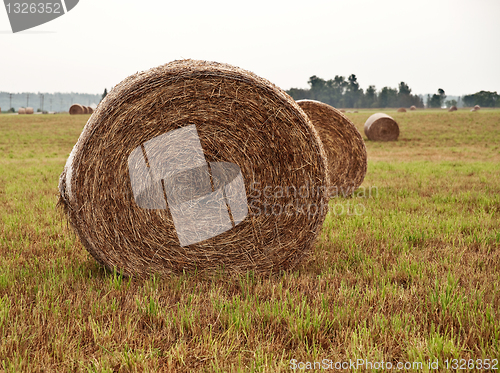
(477, 107)
(381, 127)
(21, 110)
(453, 108)
(413, 107)
(196, 166)
(344, 146)
(29, 110)
(90, 110)
(401, 110)
(76, 109)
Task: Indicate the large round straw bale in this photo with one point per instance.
(453, 108)
(196, 165)
(76, 109)
(90, 110)
(343, 144)
(477, 107)
(21, 110)
(381, 127)
(401, 110)
(413, 107)
(29, 110)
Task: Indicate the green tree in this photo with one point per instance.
(353, 93)
(404, 95)
(370, 96)
(316, 83)
(298, 93)
(482, 98)
(468, 100)
(434, 102)
(388, 97)
(318, 89)
(104, 94)
(404, 89)
(437, 100)
(450, 103)
(442, 96)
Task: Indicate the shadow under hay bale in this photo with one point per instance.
(196, 165)
(453, 108)
(76, 109)
(381, 127)
(21, 110)
(401, 110)
(343, 144)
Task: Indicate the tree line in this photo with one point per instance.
(346, 93)
(483, 99)
(342, 92)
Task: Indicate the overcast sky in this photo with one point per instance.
(428, 44)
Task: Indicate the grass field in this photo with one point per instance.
(405, 271)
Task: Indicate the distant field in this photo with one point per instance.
(406, 271)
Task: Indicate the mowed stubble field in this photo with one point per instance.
(406, 270)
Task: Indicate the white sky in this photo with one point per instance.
(429, 44)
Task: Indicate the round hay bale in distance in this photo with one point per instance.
(29, 110)
(21, 110)
(477, 107)
(90, 110)
(76, 109)
(413, 107)
(401, 110)
(381, 127)
(196, 165)
(453, 108)
(344, 146)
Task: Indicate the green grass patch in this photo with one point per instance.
(405, 270)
